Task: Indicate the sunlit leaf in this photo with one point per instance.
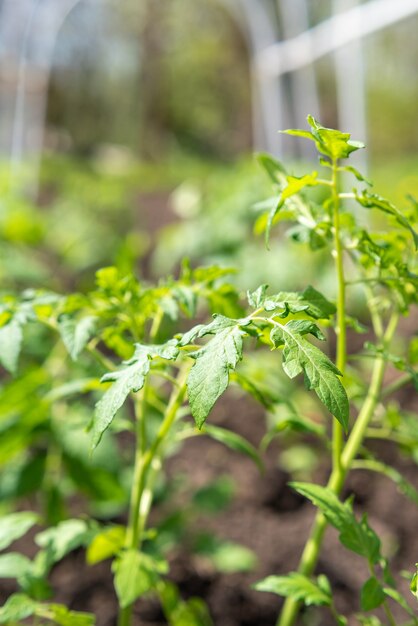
(14, 565)
(135, 574)
(296, 586)
(63, 538)
(11, 337)
(18, 607)
(209, 376)
(129, 379)
(332, 143)
(14, 526)
(321, 375)
(105, 544)
(76, 334)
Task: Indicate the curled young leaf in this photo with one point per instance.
(333, 143)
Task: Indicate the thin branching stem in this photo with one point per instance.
(143, 463)
(312, 548)
(342, 457)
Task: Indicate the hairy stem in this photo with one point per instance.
(144, 458)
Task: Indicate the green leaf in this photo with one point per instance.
(270, 219)
(369, 621)
(318, 306)
(374, 201)
(76, 334)
(257, 297)
(129, 379)
(60, 615)
(371, 595)
(209, 376)
(63, 538)
(296, 586)
(226, 556)
(18, 607)
(397, 597)
(320, 373)
(278, 176)
(179, 613)
(234, 442)
(414, 583)
(229, 557)
(274, 169)
(332, 143)
(14, 526)
(295, 184)
(215, 496)
(309, 301)
(305, 327)
(187, 299)
(14, 565)
(135, 574)
(357, 174)
(296, 132)
(105, 544)
(360, 538)
(11, 337)
(354, 535)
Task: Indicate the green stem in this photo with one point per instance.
(388, 612)
(311, 551)
(374, 312)
(385, 604)
(341, 356)
(143, 462)
(156, 324)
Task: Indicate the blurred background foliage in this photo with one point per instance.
(148, 139)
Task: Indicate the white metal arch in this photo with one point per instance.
(36, 25)
(35, 29)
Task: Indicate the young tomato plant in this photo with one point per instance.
(382, 262)
(167, 375)
(120, 319)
